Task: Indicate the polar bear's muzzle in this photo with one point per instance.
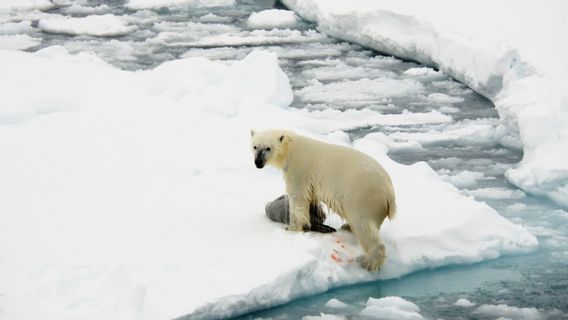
(260, 159)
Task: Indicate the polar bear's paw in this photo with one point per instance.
(374, 260)
(372, 265)
(299, 228)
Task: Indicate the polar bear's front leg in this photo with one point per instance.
(299, 213)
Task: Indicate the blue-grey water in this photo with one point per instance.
(317, 65)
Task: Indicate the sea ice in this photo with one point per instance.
(272, 19)
(462, 302)
(509, 312)
(329, 120)
(213, 18)
(219, 53)
(112, 49)
(462, 133)
(7, 5)
(147, 4)
(325, 316)
(364, 90)
(255, 38)
(510, 58)
(16, 28)
(391, 308)
(336, 304)
(107, 25)
(134, 194)
(18, 42)
(462, 179)
(496, 193)
(314, 51)
(77, 9)
(343, 71)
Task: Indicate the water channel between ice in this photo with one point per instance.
(329, 74)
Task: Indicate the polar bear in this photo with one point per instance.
(349, 182)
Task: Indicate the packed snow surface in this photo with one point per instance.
(134, 195)
(510, 52)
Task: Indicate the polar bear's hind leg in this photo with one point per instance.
(368, 236)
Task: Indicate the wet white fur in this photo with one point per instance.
(349, 182)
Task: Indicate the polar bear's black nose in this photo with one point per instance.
(259, 162)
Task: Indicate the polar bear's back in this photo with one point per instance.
(344, 173)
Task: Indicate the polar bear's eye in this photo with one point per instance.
(268, 149)
(254, 147)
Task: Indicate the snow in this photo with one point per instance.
(254, 38)
(107, 25)
(7, 5)
(15, 28)
(391, 308)
(272, 19)
(465, 133)
(497, 193)
(509, 52)
(508, 312)
(463, 302)
(332, 120)
(148, 4)
(325, 316)
(336, 304)
(133, 195)
(214, 18)
(18, 42)
(463, 178)
(77, 9)
(361, 91)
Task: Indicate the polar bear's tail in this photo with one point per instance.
(391, 207)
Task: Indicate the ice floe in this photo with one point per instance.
(107, 25)
(272, 19)
(506, 51)
(145, 201)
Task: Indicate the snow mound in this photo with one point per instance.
(269, 84)
(391, 308)
(336, 304)
(107, 25)
(272, 19)
(464, 303)
(510, 58)
(130, 195)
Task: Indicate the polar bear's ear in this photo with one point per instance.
(252, 133)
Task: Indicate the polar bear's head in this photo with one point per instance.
(269, 147)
